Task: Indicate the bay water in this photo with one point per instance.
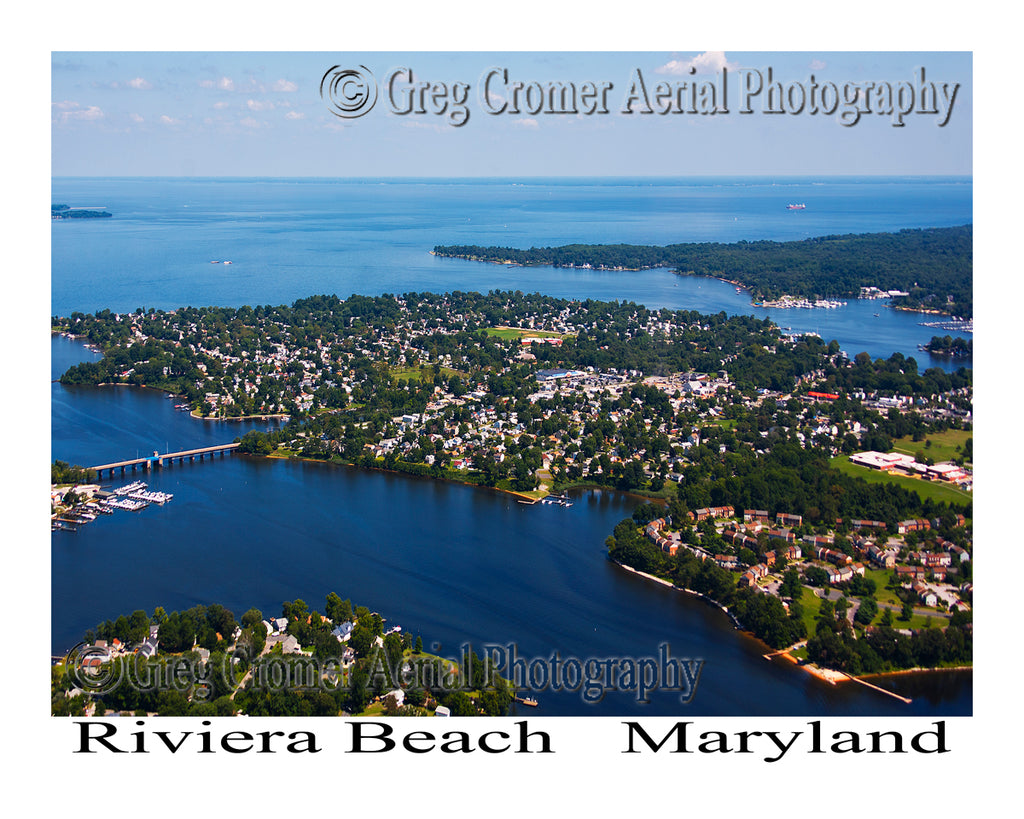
(451, 563)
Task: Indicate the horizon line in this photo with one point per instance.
(829, 175)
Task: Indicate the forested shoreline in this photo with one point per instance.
(933, 266)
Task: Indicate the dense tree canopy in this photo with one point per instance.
(931, 265)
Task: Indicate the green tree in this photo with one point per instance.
(866, 611)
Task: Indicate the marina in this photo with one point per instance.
(132, 497)
(954, 325)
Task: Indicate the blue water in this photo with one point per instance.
(452, 563)
(288, 239)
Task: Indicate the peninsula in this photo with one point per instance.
(930, 269)
(855, 473)
(67, 212)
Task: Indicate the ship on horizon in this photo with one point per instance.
(796, 207)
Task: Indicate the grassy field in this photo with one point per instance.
(925, 489)
(418, 373)
(811, 603)
(505, 333)
(944, 445)
(882, 594)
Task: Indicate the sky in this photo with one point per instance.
(487, 113)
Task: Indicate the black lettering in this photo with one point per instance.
(172, 745)
(524, 740)
(486, 748)
(85, 738)
(303, 742)
(852, 739)
(876, 742)
(714, 742)
(679, 730)
(816, 738)
(460, 743)
(265, 738)
(415, 736)
(228, 738)
(940, 740)
(359, 734)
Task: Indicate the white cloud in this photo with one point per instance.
(166, 120)
(285, 85)
(710, 62)
(224, 84)
(817, 65)
(140, 84)
(259, 105)
(73, 111)
(294, 115)
(220, 105)
(528, 122)
(136, 118)
(249, 122)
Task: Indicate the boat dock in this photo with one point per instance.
(132, 498)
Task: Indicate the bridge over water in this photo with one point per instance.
(156, 459)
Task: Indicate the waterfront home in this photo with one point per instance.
(288, 643)
(343, 631)
(149, 646)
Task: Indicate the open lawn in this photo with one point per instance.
(941, 492)
(418, 373)
(943, 445)
(811, 603)
(882, 594)
(505, 333)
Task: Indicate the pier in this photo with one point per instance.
(157, 460)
